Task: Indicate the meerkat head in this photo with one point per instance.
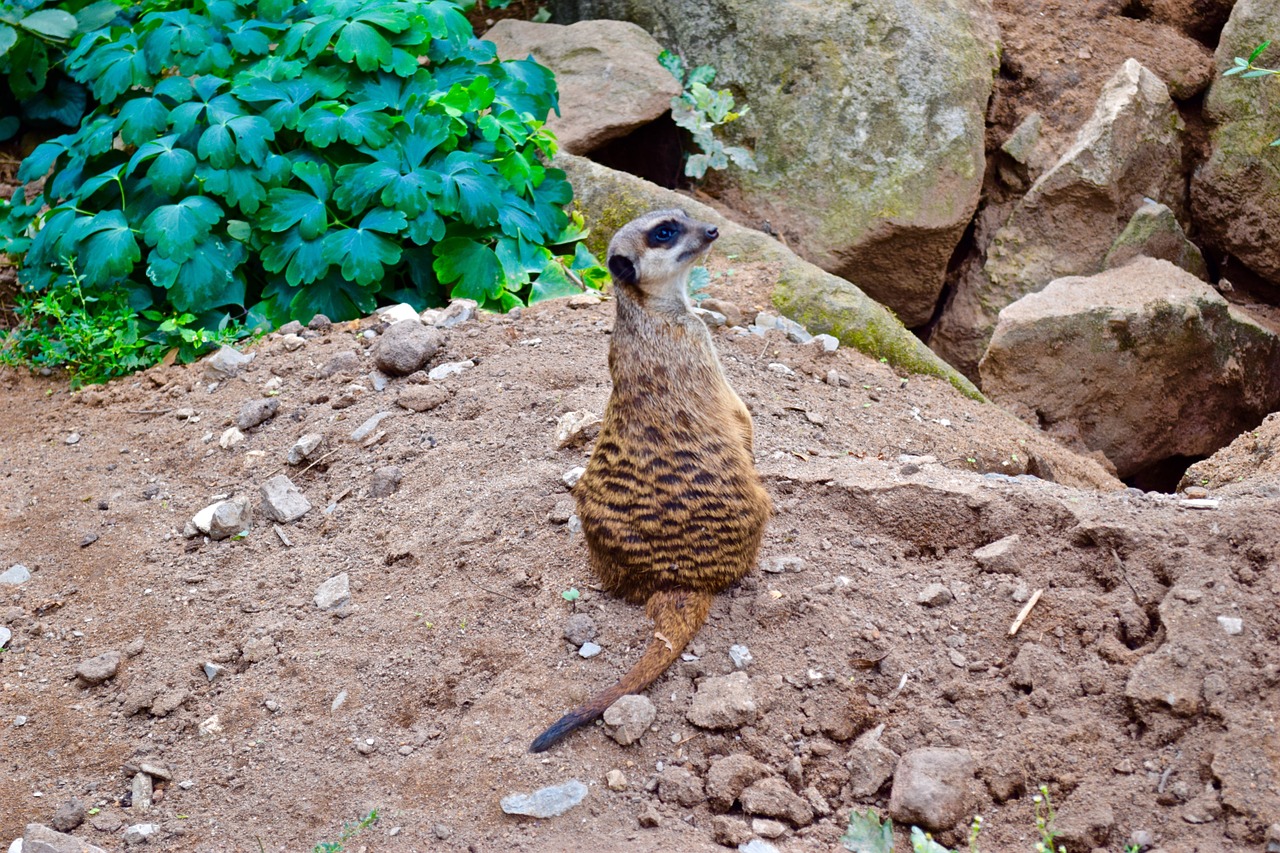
(651, 256)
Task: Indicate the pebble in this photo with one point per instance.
(713, 319)
(956, 658)
(259, 649)
(386, 480)
(224, 518)
(142, 788)
(213, 670)
(589, 650)
(756, 845)
(405, 347)
(273, 706)
(723, 702)
(98, 669)
(781, 369)
(546, 802)
(5, 636)
(282, 501)
(334, 592)
(1232, 625)
(870, 764)
(292, 343)
(616, 780)
(933, 788)
(579, 628)
(836, 378)
(159, 771)
(627, 719)
(184, 414)
(441, 832)
(459, 311)
(772, 797)
(225, 364)
(795, 332)
(338, 701)
(293, 327)
(366, 746)
(422, 398)
(320, 323)
(68, 816)
(680, 786)
(15, 574)
(649, 817)
(449, 368)
(571, 477)
(255, 412)
(366, 429)
(781, 565)
(140, 832)
(830, 343)
(395, 313)
(231, 438)
(729, 831)
(741, 656)
(934, 595)
(732, 313)
(585, 299)
(574, 428)
(88, 539)
(304, 448)
(766, 828)
(1000, 556)
(41, 839)
(561, 512)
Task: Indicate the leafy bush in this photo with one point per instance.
(700, 110)
(33, 45)
(250, 163)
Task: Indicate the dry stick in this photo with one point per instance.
(1026, 611)
(486, 589)
(1125, 574)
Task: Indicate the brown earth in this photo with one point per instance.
(451, 653)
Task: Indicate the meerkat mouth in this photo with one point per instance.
(709, 236)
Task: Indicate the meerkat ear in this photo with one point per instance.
(623, 271)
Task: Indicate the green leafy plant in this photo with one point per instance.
(34, 39)
(349, 830)
(1045, 816)
(700, 110)
(251, 163)
(1249, 69)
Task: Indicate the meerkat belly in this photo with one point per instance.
(665, 504)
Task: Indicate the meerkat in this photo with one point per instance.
(672, 508)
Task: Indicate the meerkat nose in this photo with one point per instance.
(712, 232)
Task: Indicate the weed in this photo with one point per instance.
(349, 830)
(1044, 823)
(700, 109)
(1249, 69)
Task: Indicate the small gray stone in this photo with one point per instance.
(304, 448)
(41, 839)
(781, 565)
(334, 592)
(68, 816)
(74, 438)
(5, 636)
(934, 595)
(139, 833)
(576, 427)
(830, 343)
(282, 501)
(579, 628)
(723, 702)
(571, 477)
(459, 311)
(346, 361)
(933, 788)
(713, 319)
(449, 368)
(15, 574)
(766, 828)
(213, 670)
(292, 343)
(385, 481)
(1000, 556)
(225, 518)
(772, 797)
(561, 512)
(757, 845)
(259, 649)
(870, 764)
(159, 771)
(405, 347)
(1231, 625)
(293, 327)
(319, 323)
(366, 429)
(254, 412)
(98, 669)
(590, 650)
(225, 363)
(142, 789)
(729, 831)
(393, 314)
(741, 656)
(627, 719)
(231, 438)
(546, 802)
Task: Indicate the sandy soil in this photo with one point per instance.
(451, 655)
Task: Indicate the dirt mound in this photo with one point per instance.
(420, 696)
(1251, 462)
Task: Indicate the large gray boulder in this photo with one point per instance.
(1236, 192)
(824, 303)
(1130, 150)
(1145, 361)
(607, 72)
(867, 123)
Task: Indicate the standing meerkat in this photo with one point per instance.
(671, 506)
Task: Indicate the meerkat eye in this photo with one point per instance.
(664, 234)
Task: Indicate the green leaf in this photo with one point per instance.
(571, 594)
(301, 260)
(703, 75)
(553, 282)
(672, 63)
(364, 44)
(473, 266)
(287, 208)
(335, 297)
(63, 101)
(240, 185)
(142, 119)
(1257, 51)
(9, 127)
(171, 170)
(96, 15)
(922, 843)
(207, 279)
(8, 38)
(176, 229)
(53, 23)
(360, 124)
(104, 247)
(866, 834)
(469, 187)
(362, 253)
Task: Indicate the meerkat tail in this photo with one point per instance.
(677, 615)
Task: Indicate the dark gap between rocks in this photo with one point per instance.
(653, 152)
(1164, 475)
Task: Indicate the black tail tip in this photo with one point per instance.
(562, 727)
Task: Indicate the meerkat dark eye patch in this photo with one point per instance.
(664, 234)
(622, 270)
